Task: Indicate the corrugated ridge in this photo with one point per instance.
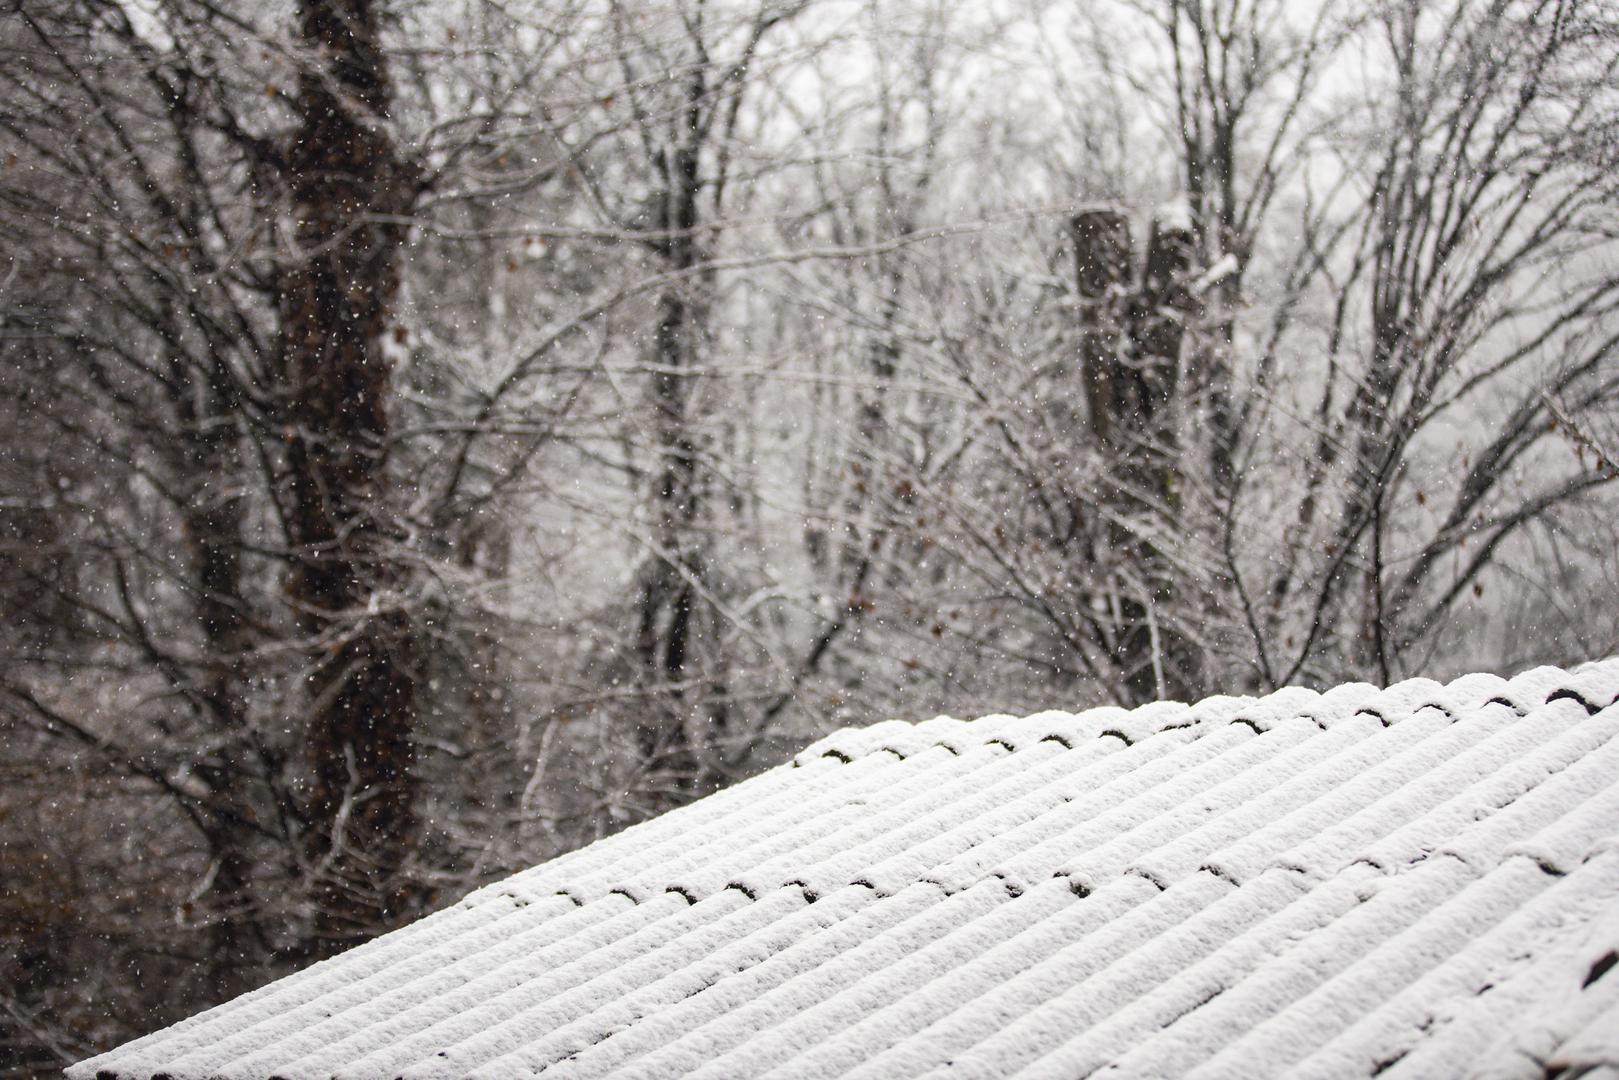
(814, 920)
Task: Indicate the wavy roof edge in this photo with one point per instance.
(1595, 684)
(765, 838)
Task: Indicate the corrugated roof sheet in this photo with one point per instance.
(1420, 881)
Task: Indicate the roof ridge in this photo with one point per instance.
(1595, 684)
(1389, 705)
(1348, 794)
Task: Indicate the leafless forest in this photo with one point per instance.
(440, 432)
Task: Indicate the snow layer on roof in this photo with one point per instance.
(1415, 882)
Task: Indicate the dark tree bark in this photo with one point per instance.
(212, 522)
(669, 603)
(348, 186)
(1131, 337)
(1102, 270)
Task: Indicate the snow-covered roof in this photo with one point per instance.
(1421, 881)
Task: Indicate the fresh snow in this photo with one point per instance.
(1415, 882)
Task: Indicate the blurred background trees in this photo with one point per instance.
(443, 433)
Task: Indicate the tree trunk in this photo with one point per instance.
(670, 604)
(1102, 269)
(212, 521)
(1130, 355)
(343, 173)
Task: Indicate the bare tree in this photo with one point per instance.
(345, 179)
(1470, 196)
(447, 431)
